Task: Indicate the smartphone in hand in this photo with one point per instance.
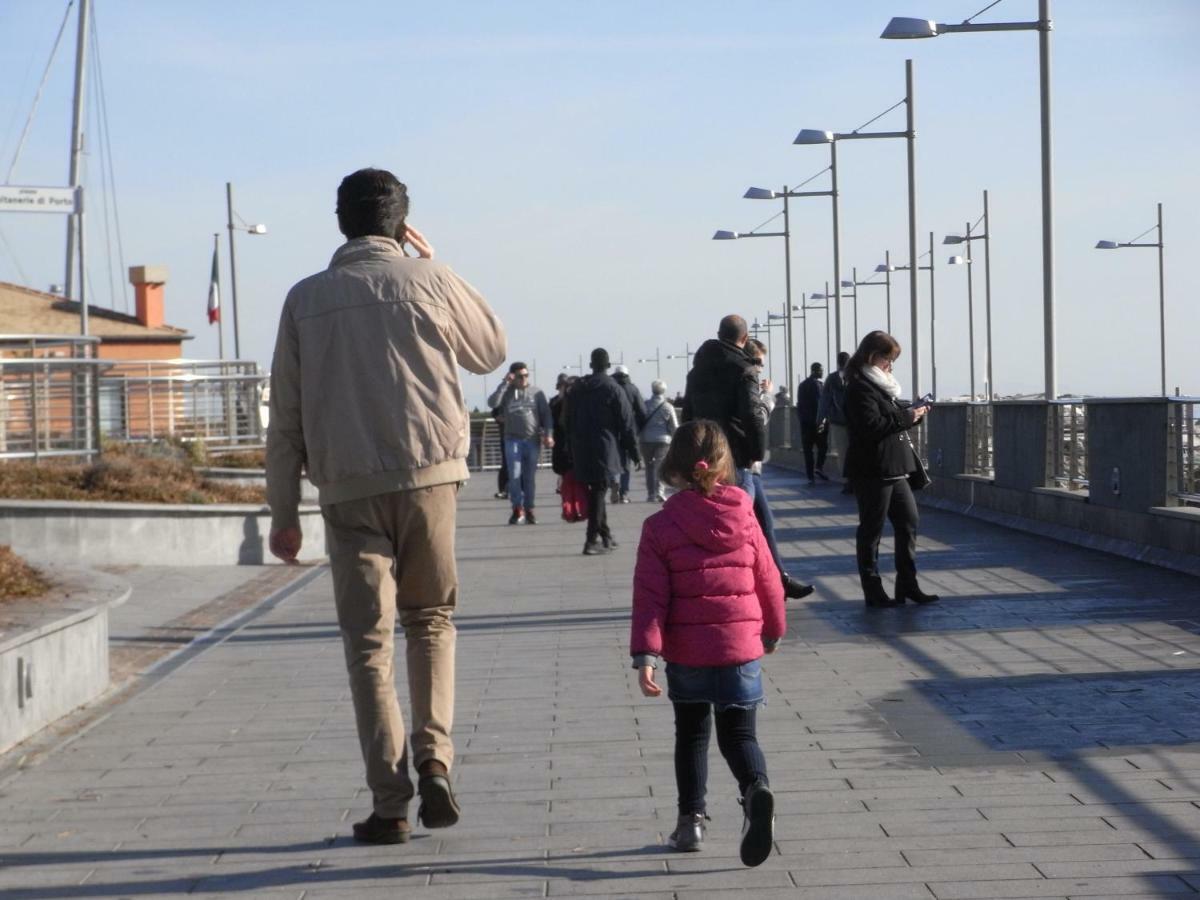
(927, 400)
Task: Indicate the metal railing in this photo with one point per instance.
(56, 404)
(1183, 461)
(487, 446)
(980, 450)
(1066, 445)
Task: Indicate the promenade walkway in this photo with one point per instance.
(1036, 734)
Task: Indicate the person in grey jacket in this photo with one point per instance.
(832, 410)
(638, 406)
(528, 426)
(366, 397)
(655, 437)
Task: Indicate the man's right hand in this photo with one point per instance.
(285, 544)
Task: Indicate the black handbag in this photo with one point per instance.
(918, 478)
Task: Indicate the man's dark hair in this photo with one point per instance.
(732, 328)
(517, 367)
(372, 202)
(843, 358)
(816, 366)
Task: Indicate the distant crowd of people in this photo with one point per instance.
(366, 400)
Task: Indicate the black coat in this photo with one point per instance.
(723, 386)
(636, 402)
(560, 454)
(599, 424)
(876, 425)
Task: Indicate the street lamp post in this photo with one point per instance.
(966, 261)
(249, 229)
(815, 136)
(856, 284)
(762, 193)
(686, 356)
(904, 27)
(990, 390)
(826, 297)
(887, 266)
(657, 360)
(1162, 302)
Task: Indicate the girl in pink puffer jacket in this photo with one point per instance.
(707, 597)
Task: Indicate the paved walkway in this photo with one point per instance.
(1033, 735)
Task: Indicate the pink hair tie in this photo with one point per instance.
(702, 466)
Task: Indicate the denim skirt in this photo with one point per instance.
(722, 686)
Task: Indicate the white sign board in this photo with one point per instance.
(14, 198)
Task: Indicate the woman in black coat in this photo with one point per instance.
(878, 462)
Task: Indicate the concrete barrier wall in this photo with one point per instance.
(1129, 435)
(254, 478)
(143, 533)
(54, 653)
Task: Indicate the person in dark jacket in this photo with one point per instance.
(600, 425)
(833, 413)
(878, 462)
(812, 427)
(638, 405)
(723, 386)
(560, 454)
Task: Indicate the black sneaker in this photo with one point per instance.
(501, 495)
(594, 548)
(688, 836)
(822, 475)
(517, 517)
(610, 543)
(376, 829)
(758, 829)
(530, 518)
(794, 589)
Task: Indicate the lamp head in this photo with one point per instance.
(1107, 245)
(257, 229)
(759, 194)
(813, 136)
(818, 296)
(884, 267)
(957, 261)
(905, 28)
(725, 236)
(846, 283)
(953, 239)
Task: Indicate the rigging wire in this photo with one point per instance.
(38, 96)
(880, 116)
(106, 137)
(104, 192)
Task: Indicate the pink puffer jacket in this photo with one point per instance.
(706, 591)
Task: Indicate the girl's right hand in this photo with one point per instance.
(646, 682)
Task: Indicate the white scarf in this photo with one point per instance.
(885, 381)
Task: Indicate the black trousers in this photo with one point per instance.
(597, 527)
(737, 740)
(502, 478)
(894, 500)
(810, 437)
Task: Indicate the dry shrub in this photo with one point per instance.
(157, 472)
(240, 459)
(17, 578)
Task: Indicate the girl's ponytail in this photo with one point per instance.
(699, 457)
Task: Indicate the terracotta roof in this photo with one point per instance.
(26, 311)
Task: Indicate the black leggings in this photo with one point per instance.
(736, 740)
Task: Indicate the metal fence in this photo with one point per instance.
(1183, 461)
(980, 458)
(1066, 445)
(57, 399)
(487, 446)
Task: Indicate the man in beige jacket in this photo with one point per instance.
(365, 397)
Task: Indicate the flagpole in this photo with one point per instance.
(215, 285)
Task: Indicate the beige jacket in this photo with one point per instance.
(365, 393)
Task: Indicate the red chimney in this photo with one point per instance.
(148, 284)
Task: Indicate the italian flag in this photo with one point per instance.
(214, 293)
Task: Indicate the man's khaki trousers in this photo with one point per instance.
(394, 553)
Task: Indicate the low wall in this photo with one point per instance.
(148, 533)
(54, 651)
(254, 478)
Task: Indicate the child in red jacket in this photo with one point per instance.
(707, 598)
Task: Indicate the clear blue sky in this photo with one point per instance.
(572, 162)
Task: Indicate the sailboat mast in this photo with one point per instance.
(74, 220)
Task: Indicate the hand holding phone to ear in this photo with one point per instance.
(417, 241)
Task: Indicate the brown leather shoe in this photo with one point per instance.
(375, 829)
(438, 807)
